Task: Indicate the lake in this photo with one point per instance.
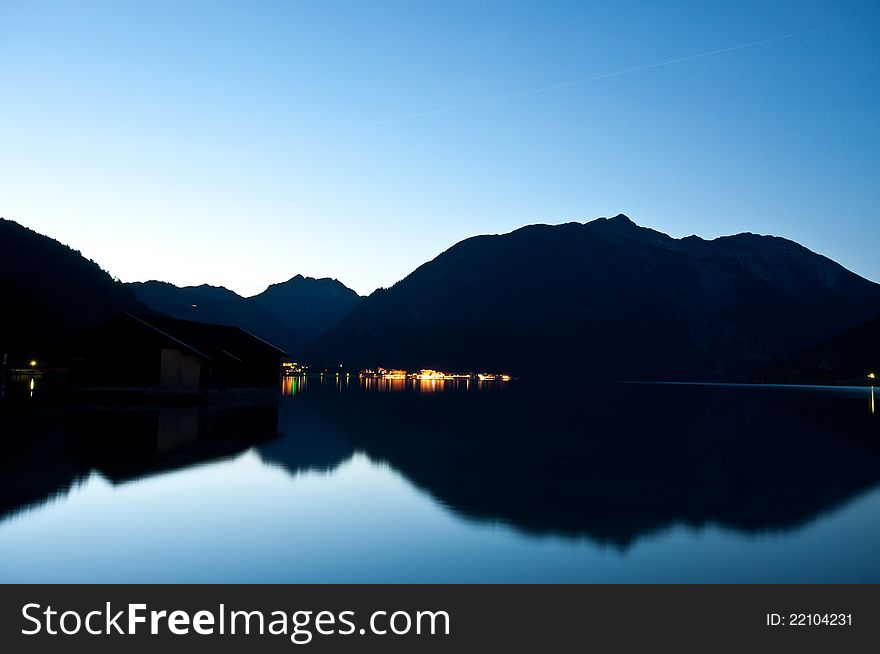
(347, 480)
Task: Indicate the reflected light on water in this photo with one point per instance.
(296, 384)
(293, 384)
(429, 385)
(421, 385)
(382, 384)
(873, 405)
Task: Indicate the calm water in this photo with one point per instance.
(517, 482)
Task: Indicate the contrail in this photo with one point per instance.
(626, 71)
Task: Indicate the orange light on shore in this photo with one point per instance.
(492, 376)
(430, 375)
(433, 375)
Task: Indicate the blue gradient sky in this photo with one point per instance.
(242, 143)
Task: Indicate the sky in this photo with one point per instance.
(241, 143)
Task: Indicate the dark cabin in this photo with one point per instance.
(161, 355)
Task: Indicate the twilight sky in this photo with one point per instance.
(240, 143)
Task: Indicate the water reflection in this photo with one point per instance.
(609, 463)
(50, 449)
(426, 385)
(293, 384)
(614, 463)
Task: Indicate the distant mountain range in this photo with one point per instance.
(290, 314)
(50, 293)
(310, 305)
(605, 300)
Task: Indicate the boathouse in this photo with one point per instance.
(141, 354)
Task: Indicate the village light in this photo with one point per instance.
(33, 363)
(872, 375)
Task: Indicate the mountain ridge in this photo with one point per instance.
(604, 299)
(289, 314)
(570, 299)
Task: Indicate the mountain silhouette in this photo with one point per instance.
(850, 356)
(215, 304)
(50, 292)
(312, 305)
(290, 314)
(604, 300)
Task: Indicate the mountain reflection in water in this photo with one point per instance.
(609, 463)
(613, 462)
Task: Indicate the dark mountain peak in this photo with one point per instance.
(621, 230)
(313, 305)
(301, 282)
(150, 282)
(287, 314)
(12, 232)
(767, 247)
(605, 299)
(220, 292)
(190, 292)
(759, 240)
(620, 221)
(218, 305)
(619, 224)
(751, 237)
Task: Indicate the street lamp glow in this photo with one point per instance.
(33, 363)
